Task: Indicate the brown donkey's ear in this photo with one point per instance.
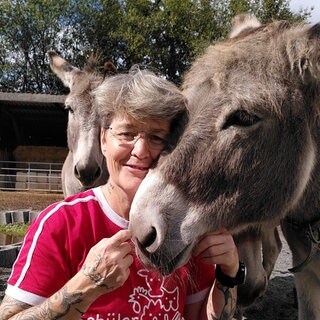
(314, 36)
(109, 69)
(62, 68)
(91, 64)
(243, 23)
(304, 53)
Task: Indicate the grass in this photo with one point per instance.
(18, 229)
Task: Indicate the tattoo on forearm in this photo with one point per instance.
(81, 312)
(47, 311)
(9, 307)
(67, 300)
(229, 307)
(94, 275)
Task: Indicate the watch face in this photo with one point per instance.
(242, 272)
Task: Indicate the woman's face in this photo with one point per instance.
(129, 156)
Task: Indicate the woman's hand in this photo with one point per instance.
(219, 248)
(107, 264)
(105, 269)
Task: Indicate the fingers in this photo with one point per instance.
(218, 248)
(121, 271)
(108, 262)
(117, 246)
(221, 241)
(120, 237)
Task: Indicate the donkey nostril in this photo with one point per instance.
(87, 175)
(76, 172)
(149, 238)
(98, 172)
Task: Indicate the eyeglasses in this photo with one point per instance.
(129, 138)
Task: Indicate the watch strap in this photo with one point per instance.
(230, 282)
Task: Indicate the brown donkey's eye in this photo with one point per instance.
(241, 118)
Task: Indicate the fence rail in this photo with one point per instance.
(30, 176)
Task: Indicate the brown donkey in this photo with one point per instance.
(249, 154)
(84, 166)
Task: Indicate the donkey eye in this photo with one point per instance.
(241, 118)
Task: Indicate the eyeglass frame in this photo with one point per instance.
(136, 136)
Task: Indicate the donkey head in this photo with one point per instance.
(83, 126)
(249, 149)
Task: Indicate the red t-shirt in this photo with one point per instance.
(55, 249)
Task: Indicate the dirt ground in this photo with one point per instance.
(27, 200)
(277, 304)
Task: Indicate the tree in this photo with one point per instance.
(97, 24)
(27, 28)
(278, 10)
(163, 35)
(167, 35)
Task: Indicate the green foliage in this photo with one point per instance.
(167, 35)
(14, 229)
(27, 29)
(97, 24)
(163, 35)
(161, 25)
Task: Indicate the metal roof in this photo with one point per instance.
(34, 116)
(28, 103)
(31, 98)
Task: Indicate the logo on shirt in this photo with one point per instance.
(152, 301)
(155, 296)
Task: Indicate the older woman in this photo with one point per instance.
(77, 260)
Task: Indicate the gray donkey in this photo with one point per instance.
(84, 166)
(249, 154)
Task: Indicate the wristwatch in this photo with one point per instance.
(230, 282)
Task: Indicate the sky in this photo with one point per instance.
(295, 5)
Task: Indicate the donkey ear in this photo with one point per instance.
(314, 32)
(62, 68)
(304, 53)
(109, 69)
(243, 23)
(314, 36)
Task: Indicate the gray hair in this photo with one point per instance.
(139, 94)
